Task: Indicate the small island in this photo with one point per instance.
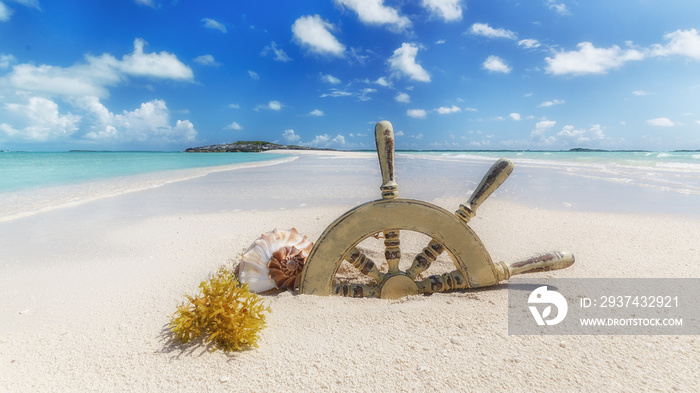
(249, 147)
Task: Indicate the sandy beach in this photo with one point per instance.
(88, 289)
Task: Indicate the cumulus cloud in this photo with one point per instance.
(590, 60)
(403, 61)
(291, 137)
(382, 81)
(213, 24)
(272, 105)
(314, 34)
(483, 29)
(234, 126)
(41, 121)
(662, 122)
(515, 116)
(326, 140)
(570, 133)
(547, 104)
(444, 110)
(6, 60)
(327, 78)
(278, 53)
(316, 112)
(162, 65)
(374, 12)
(148, 123)
(96, 74)
(417, 113)
(206, 60)
(403, 97)
(450, 10)
(253, 75)
(680, 43)
(496, 64)
(540, 128)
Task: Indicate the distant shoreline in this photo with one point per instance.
(248, 147)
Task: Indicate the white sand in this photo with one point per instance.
(87, 290)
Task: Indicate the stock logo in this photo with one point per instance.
(553, 298)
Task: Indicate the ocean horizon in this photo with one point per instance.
(36, 181)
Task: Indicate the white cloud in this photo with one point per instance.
(338, 140)
(596, 132)
(529, 43)
(640, 93)
(417, 136)
(4, 12)
(62, 81)
(316, 112)
(450, 10)
(337, 93)
(206, 60)
(662, 122)
(547, 104)
(444, 110)
(399, 133)
(330, 79)
(145, 2)
(213, 24)
(272, 105)
(41, 120)
(496, 64)
(382, 81)
(234, 106)
(325, 140)
(403, 97)
(291, 137)
(590, 60)
(542, 126)
(92, 77)
(560, 8)
(374, 12)
(234, 126)
(681, 43)
(314, 33)
(155, 65)
(279, 54)
(515, 116)
(417, 113)
(148, 123)
(253, 75)
(6, 60)
(403, 61)
(485, 30)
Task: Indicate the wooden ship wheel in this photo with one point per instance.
(389, 216)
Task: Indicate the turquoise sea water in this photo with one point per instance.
(29, 170)
(676, 172)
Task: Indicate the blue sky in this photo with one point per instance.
(449, 74)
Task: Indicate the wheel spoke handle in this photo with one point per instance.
(423, 260)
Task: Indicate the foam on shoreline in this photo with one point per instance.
(26, 203)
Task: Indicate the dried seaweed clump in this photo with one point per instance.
(227, 313)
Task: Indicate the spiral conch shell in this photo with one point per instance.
(275, 260)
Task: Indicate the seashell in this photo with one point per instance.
(275, 260)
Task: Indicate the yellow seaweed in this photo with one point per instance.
(226, 312)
